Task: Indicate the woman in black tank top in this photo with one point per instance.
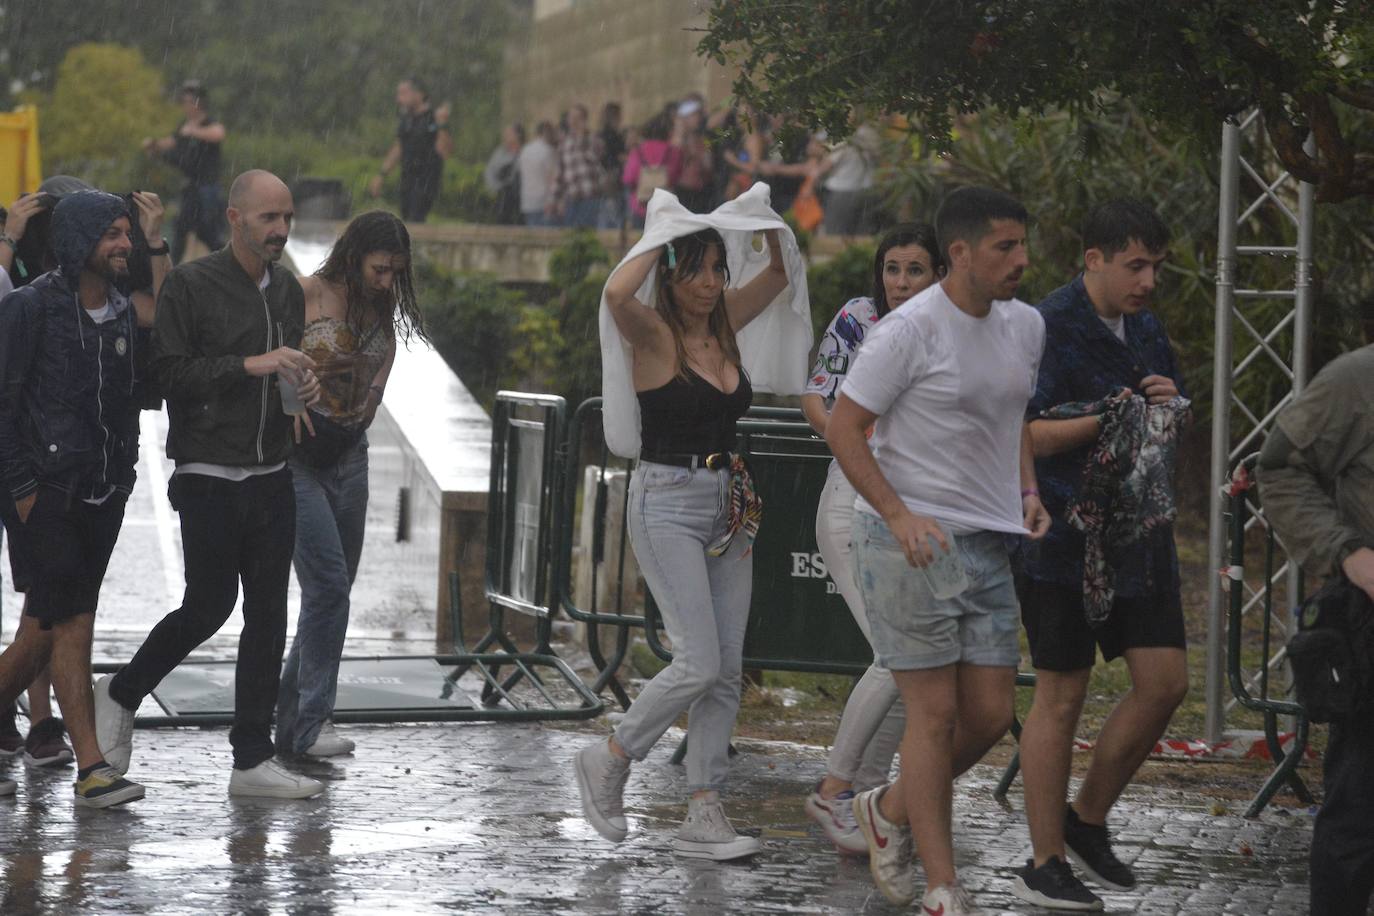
(692, 515)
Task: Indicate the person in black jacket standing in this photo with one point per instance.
(195, 149)
(228, 334)
(71, 351)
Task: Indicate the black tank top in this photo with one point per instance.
(690, 416)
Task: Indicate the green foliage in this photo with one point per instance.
(1186, 65)
(472, 321)
(832, 284)
(494, 338)
(105, 99)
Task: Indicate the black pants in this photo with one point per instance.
(417, 197)
(202, 212)
(230, 530)
(1342, 868)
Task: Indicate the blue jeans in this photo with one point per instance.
(331, 510)
(674, 513)
(582, 214)
(911, 628)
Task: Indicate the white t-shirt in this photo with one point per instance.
(538, 166)
(950, 392)
(1116, 325)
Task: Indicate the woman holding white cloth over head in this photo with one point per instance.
(678, 371)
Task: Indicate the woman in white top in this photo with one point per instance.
(907, 261)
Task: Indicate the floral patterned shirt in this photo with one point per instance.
(840, 346)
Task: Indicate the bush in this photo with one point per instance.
(105, 100)
(472, 321)
(832, 284)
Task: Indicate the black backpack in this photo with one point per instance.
(1332, 654)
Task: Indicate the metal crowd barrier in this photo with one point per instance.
(1257, 691)
(512, 684)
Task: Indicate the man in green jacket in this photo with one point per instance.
(1316, 475)
(227, 333)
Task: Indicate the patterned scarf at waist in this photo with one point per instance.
(746, 509)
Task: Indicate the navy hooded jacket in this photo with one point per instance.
(68, 386)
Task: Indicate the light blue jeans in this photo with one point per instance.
(331, 510)
(673, 514)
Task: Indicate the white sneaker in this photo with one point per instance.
(949, 900)
(707, 834)
(601, 775)
(114, 728)
(328, 743)
(8, 787)
(889, 848)
(836, 817)
(269, 780)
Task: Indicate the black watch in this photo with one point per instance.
(157, 252)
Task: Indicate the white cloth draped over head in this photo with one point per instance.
(774, 347)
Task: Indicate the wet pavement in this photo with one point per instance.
(484, 819)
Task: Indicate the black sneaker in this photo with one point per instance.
(1090, 848)
(1054, 887)
(11, 742)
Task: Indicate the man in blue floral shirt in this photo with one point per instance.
(1100, 338)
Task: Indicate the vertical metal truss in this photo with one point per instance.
(1249, 166)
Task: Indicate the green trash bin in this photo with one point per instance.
(798, 620)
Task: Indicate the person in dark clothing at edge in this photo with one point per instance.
(228, 329)
(71, 362)
(195, 148)
(1100, 336)
(423, 142)
(1316, 476)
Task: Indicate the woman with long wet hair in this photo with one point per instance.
(356, 305)
(906, 262)
(692, 514)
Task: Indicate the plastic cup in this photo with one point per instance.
(291, 402)
(945, 574)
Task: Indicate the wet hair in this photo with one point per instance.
(367, 234)
(1112, 225)
(688, 257)
(967, 214)
(898, 236)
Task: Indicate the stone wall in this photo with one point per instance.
(640, 53)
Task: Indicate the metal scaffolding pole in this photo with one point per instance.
(1274, 191)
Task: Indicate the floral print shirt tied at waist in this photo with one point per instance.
(746, 509)
(346, 362)
(1127, 484)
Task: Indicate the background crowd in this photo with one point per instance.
(601, 176)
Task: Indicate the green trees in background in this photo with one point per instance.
(1309, 66)
(304, 88)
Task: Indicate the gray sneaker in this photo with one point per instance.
(328, 743)
(889, 848)
(707, 834)
(114, 727)
(601, 775)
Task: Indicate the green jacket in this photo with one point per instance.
(1316, 472)
(210, 315)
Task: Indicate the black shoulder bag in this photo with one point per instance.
(1332, 654)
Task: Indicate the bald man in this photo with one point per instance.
(227, 334)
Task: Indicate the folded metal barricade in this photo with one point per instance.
(1256, 690)
(521, 515)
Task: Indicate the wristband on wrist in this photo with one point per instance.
(158, 252)
(1030, 492)
(14, 246)
(378, 389)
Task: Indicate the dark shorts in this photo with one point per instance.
(58, 557)
(1061, 640)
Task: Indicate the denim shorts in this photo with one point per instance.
(912, 629)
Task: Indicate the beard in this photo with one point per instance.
(107, 269)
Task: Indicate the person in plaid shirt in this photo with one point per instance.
(577, 193)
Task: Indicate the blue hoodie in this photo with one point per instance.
(68, 411)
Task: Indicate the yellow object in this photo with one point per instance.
(20, 171)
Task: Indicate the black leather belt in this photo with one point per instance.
(714, 461)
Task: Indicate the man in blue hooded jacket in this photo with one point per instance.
(71, 351)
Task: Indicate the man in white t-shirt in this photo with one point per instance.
(946, 377)
(538, 168)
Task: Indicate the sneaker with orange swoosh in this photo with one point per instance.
(949, 900)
